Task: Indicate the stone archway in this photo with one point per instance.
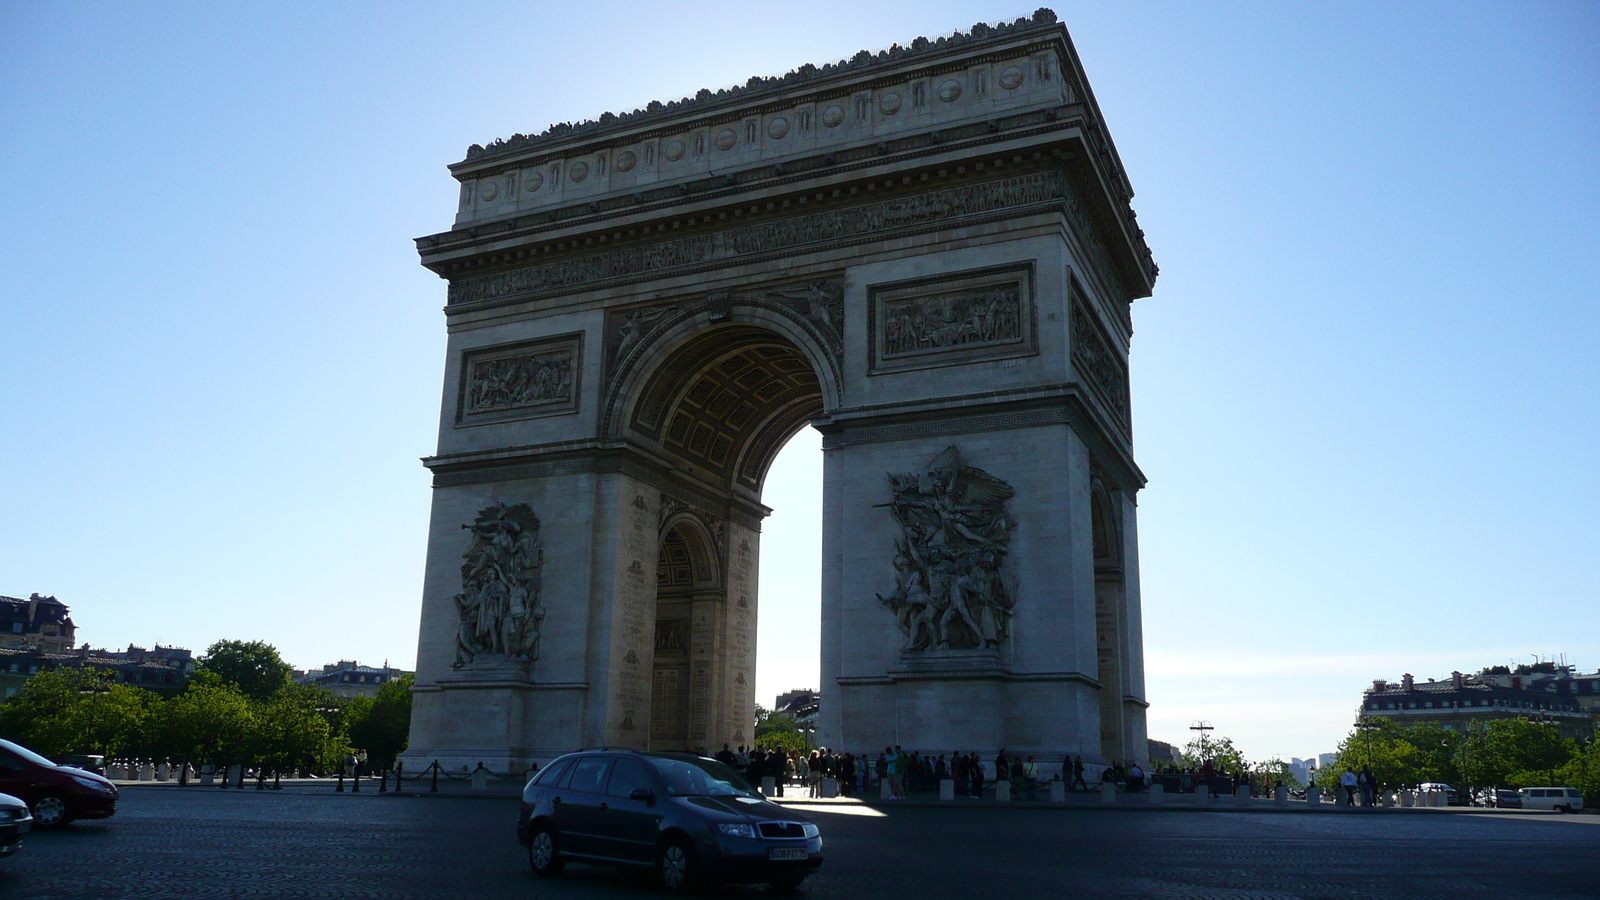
(929, 255)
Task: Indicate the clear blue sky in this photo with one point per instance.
(1365, 389)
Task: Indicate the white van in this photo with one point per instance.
(1563, 798)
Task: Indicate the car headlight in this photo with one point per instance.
(737, 829)
(92, 784)
(810, 830)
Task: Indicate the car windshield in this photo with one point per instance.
(25, 753)
(700, 778)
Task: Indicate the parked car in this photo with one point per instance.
(1451, 796)
(692, 820)
(89, 762)
(56, 794)
(14, 823)
(1563, 798)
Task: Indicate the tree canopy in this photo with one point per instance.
(253, 666)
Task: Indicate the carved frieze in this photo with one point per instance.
(951, 589)
(521, 380)
(498, 609)
(877, 220)
(945, 320)
(1097, 365)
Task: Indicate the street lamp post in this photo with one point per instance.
(1203, 727)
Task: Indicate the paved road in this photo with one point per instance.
(214, 844)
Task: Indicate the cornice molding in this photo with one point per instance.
(706, 103)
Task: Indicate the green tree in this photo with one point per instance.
(1521, 752)
(381, 725)
(1219, 751)
(76, 710)
(210, 722)
(292, 733)
(253, 666)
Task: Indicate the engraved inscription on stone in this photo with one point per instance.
(519, 380)
(951, 592)
(949, 320)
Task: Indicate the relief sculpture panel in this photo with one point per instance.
(518, 381)
(951, 590)
(948, 320)
(498, 607)
(1096, 364)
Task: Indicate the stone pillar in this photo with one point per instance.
(769, 786)
(1108, 792)
(1002, 790)
(1058, 792)
(1313, 797)
(1241, 794)
(947, 789)
(1202, 794)
(830, 788)
(1280, 796)
(1158, 794)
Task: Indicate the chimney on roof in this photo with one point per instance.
(1379, 685)
(1457, 680)
(1407, 682)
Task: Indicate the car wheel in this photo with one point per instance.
(50, 811)
(676, 867)
(787, 884)
(542, 854)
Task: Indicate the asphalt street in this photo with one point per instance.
(168, 842)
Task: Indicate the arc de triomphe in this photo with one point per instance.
(927, 253)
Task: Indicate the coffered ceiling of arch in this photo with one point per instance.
(727, 400)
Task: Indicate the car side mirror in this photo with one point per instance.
(644, 794)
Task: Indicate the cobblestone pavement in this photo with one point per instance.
(167, 842)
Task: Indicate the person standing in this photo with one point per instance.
(1030, 778)
(975, 775)
(1348, 782)
(1077, 774)
(1369, 787)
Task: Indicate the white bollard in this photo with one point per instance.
(1108, 792)
(1241, 794)
(769, 786)
(830, 788)
(1058, 792)
(947, 789)
(147, 772)
(1158, 794)
(1202, 794)
(480, 779)
(885, 790)
(208, 773)
(1280, 796)
(1002, 790)
(164, 772)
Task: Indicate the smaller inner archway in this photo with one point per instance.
(689, 609)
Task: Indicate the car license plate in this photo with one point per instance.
(787, 853)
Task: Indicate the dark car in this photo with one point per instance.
(56, 794)
(692, 820)
(14, 823)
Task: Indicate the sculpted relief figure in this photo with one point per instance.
(499, 605)
(515, 381)
(950, 590)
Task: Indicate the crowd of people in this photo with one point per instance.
(904, 772)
